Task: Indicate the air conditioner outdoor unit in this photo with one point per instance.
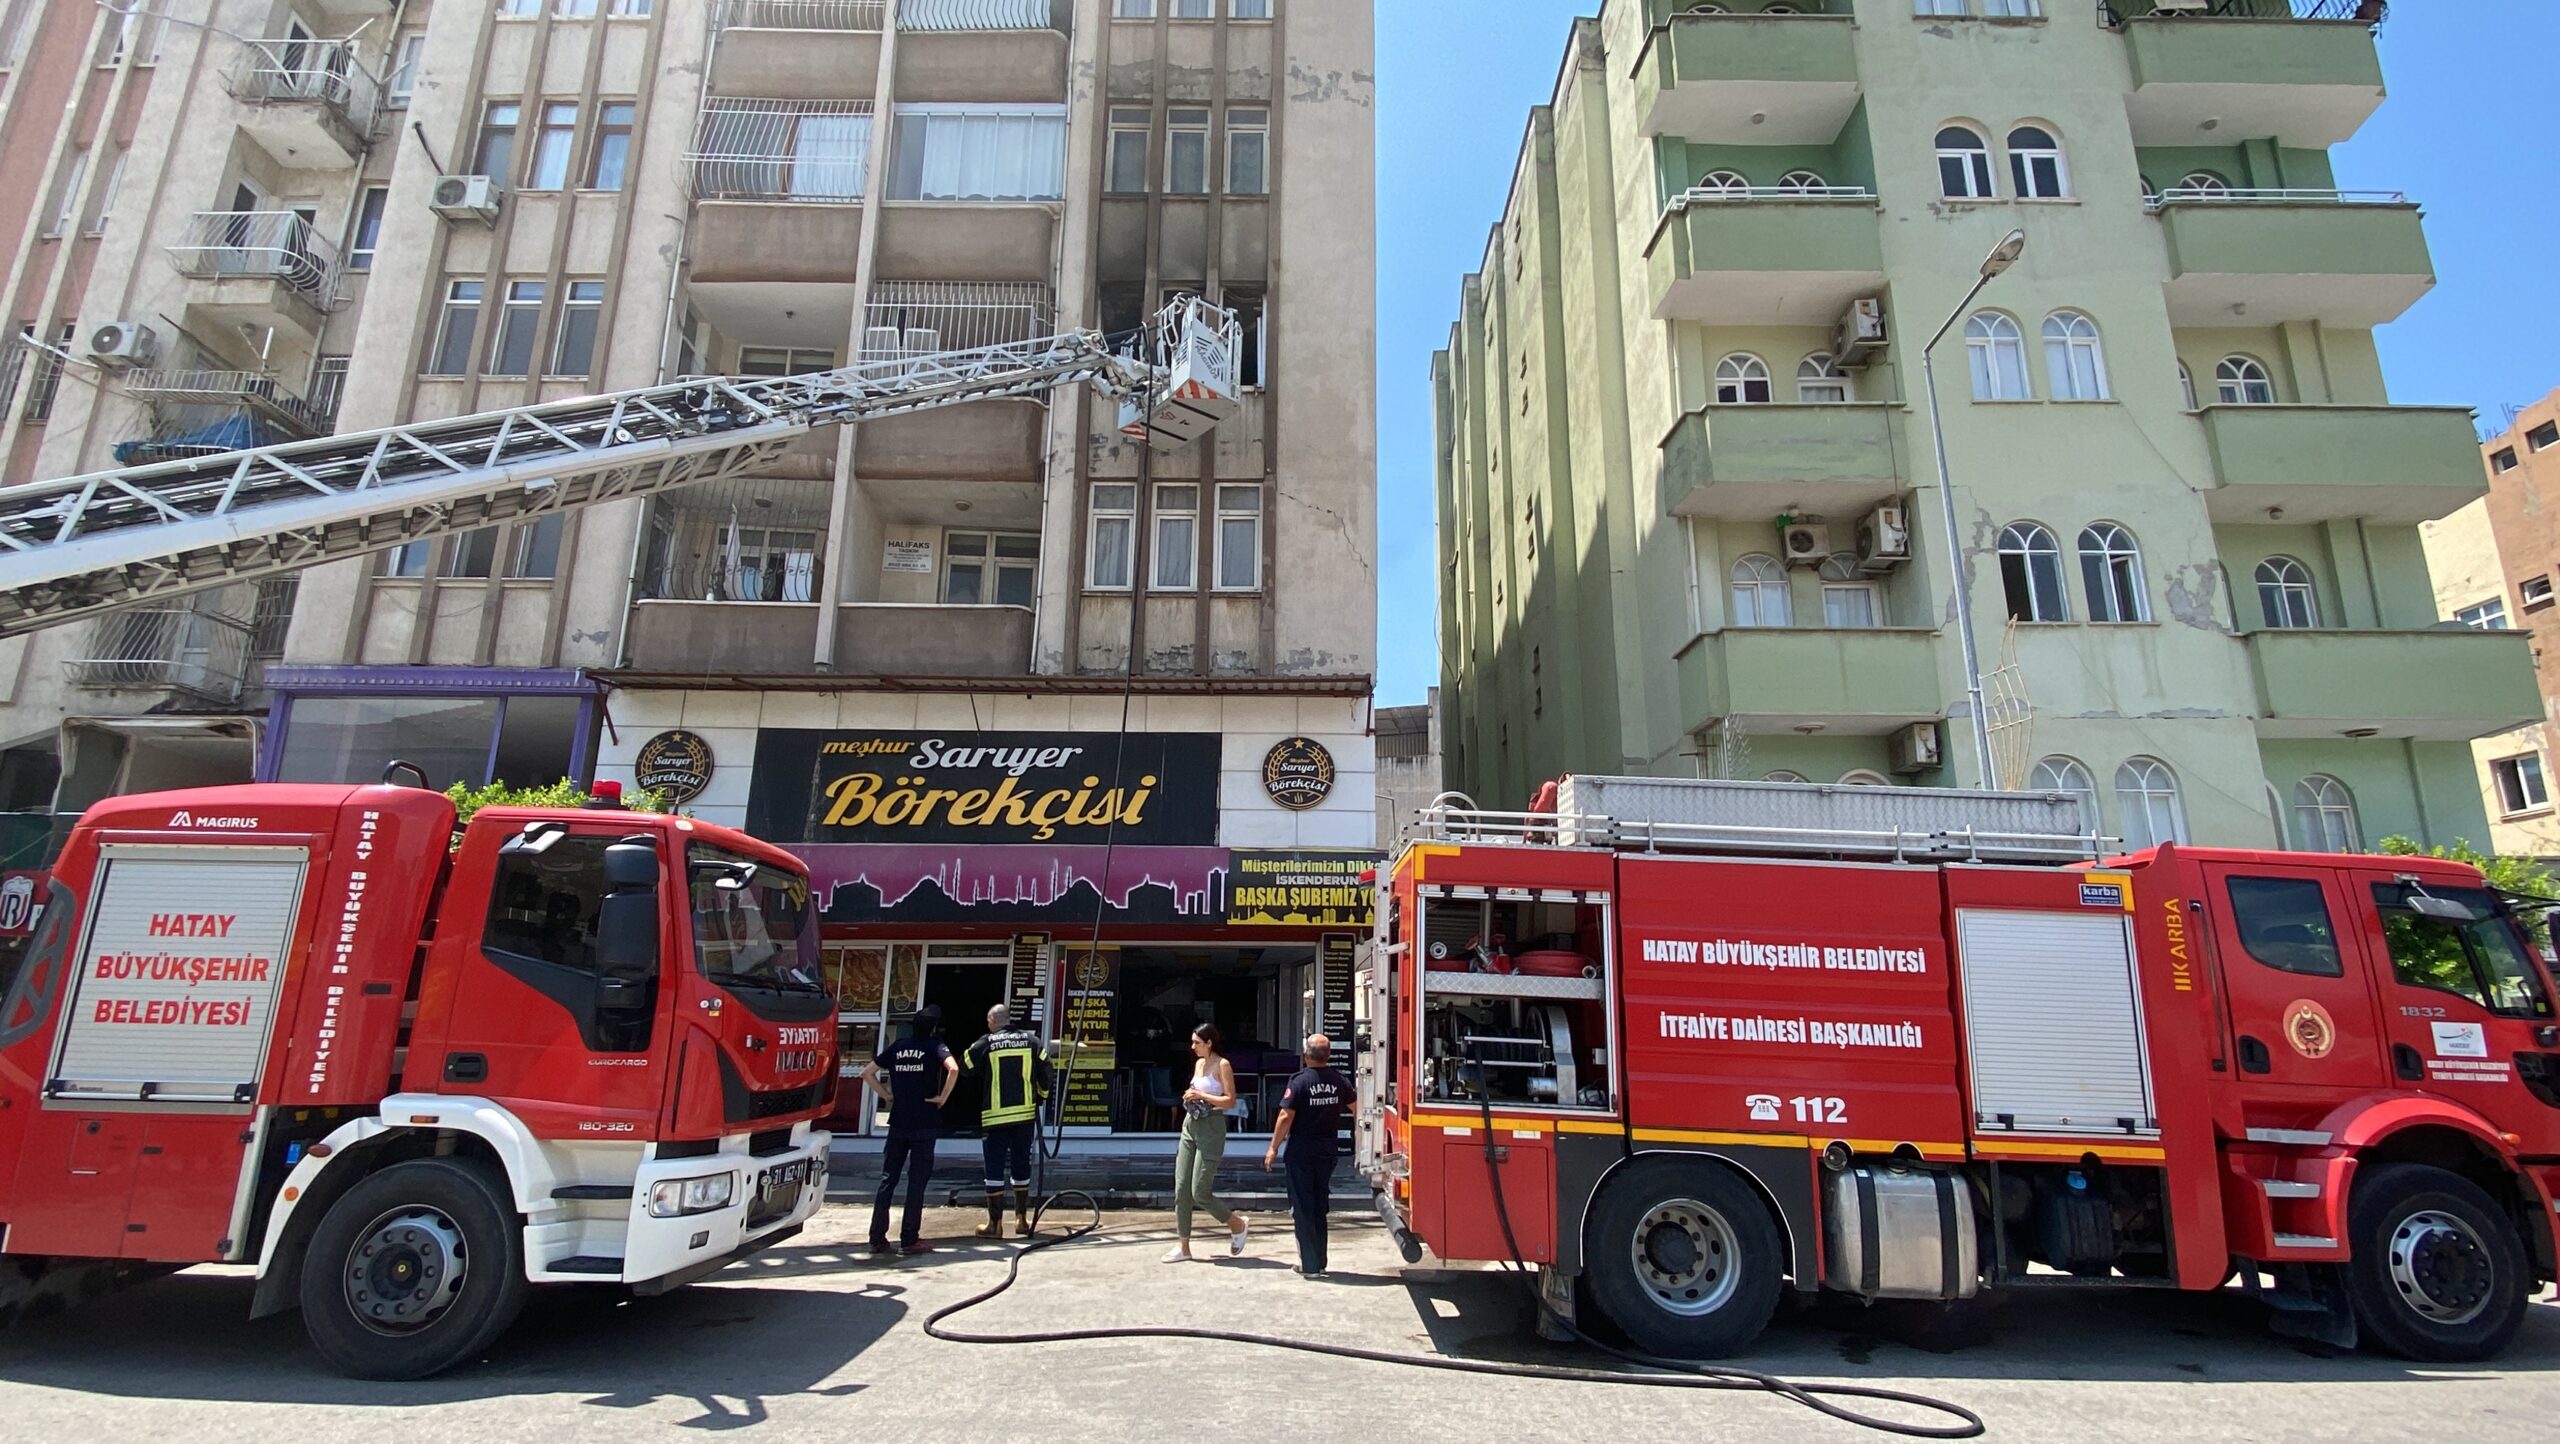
(1915, 749)
(123, 344)
(1884, 539)
(1806, 543)
(467, 198)
(1860, 333)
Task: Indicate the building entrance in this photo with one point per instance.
(1260, 999)
(964, 991)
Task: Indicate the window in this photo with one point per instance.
(2285, 597)
(2520, 784)
(2031, 573)
(1964, 164)
(979, 153)
(1786, 777)
(553, 141)
(456, 329)
(2488, 616)
(1999, 357)
(1126, 171)
(2035, 165)
(2147, 796)
(1195, 9)
(1848, 595)
(1186, 152)
(634, 9)
(990, 568)
(1725, 182)
(495, 152)
(1249, 9)
(1863, 778)
(472, 554)
(367, 233)
(404, 70)
(2534, 593)
(328, 384)
(407, 560)
(1760, 593)
(537, 550)
(519, 7)
(1111, 530)
(2186, 386)
(574, 9)
(1938, 7)
(47, 382)
(2074, 364)
(1742, 378)
(518, 320)
(573, 351)
(1248, 152)
(2482, 960)
(1818, 379)
(2062, 774)
(611, 158)
(544, 913)
(2013, 9)
(1175, 562)
(2543, 437)
(2324, 815)
(769, 564)
(2198, 183)
(2503, 459)
(2241, 381)
(2111, 573)
(1132, 9)
(106, 197)
(2284, 923)
(271, 615)
(783, 361)
(1249, 303)
(1240, 537)
(66, 192)
(1802, 183)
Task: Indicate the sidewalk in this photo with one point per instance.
(1118, 1180)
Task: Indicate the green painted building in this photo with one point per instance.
(1689, 513)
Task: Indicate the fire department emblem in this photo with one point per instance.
(2308, 1027)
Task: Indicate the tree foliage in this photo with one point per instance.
(563, 793)
(2520, 875)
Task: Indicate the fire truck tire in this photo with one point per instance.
(1683, 1258)
(2434, 1265)
(414, 1270)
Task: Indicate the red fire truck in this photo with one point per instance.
(407, 1073)
(1683, 1045)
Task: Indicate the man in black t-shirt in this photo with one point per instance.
(920, 1073)
(1310, 1127)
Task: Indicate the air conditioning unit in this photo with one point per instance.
(1915, 749)
(1860, 333)
(123, 344)
(1806, 543)
(467, 198)
(1884, 539)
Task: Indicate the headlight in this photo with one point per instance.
(677, 1197)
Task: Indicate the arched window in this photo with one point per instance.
(1786, 777)
(1818, 378)
(2324, 815)
(2187, 385)
(1863, 778)
(2150, 192)
(1802, 183)
(1724, 182)
(2031, 573)
(1999, 356)
(2035, 164)
(2062, 774)
(1742, 377)
(1760, 593)
(1848, 594)
(1964, 165)
(2075, 367)
(1780, 9)
(2147, 797)
(2241, 381)
(2198, 185)
(2285, 596)
(2111, 573)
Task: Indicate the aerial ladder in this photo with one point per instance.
(82, 545)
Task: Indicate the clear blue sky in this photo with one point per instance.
(2468, 132)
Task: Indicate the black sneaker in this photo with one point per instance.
(880, 1248)
(917, 1247)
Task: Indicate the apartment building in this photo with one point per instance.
(1690, 519)
(2495, 562)
(1127, 684)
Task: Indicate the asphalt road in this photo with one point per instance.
(814, 1342)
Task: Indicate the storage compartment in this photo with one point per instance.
(1513, 998)
(1894, 1233)
(1470, 1226)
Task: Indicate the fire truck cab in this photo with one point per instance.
(1727, 1039)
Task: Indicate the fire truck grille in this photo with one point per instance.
(776, 1102)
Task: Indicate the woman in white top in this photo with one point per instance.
(1204, 1143)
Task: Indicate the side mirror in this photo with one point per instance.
(2442, 909)
(627, 927)
(631, 864)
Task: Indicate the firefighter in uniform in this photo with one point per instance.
(1010, 1066)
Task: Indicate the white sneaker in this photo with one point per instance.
(1235, 1240)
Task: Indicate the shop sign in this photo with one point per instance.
(907, 556)
(1335, 955)
(1141, 789)
(1299, 889)
(1298, 773)
(676, 765)
(1029, 951)
(1087, 1053)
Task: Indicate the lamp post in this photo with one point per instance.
(2002, 257)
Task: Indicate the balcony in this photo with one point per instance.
(753, 639)
(1863, 682)
(2261, 257)
(202, 654)
(966, 50)
(258, 268)
(1749, 79)
(2447, 684)
(307, 103)
(2398, 465)
(2302, 71)
(1758, 256)
(254, 394)
(1742, 463)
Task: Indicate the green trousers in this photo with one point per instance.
(1195, 1170)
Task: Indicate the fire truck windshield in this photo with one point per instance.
(2483, 960)
(753, 926)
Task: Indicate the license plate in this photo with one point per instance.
(783, 1176)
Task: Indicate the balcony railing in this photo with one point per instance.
(857, 15)
(177, 647)
(2287, 196)
(278, 246)
(974, 14)
(306, 72)
(796, 150)
(249, 390)
(1735, 195)
(2114, 13)
(918, 318)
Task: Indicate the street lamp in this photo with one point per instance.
(2002, 257)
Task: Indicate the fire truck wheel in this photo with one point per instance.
(1683, 1258)
(2435, 1266)
(414, 1270)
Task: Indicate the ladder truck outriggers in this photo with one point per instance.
(1682, 1046)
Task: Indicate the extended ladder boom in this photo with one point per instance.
(86, 544)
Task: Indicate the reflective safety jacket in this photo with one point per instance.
(1015, 1072)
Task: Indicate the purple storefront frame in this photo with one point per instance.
(290, 682)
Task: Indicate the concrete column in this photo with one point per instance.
(842, 557)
